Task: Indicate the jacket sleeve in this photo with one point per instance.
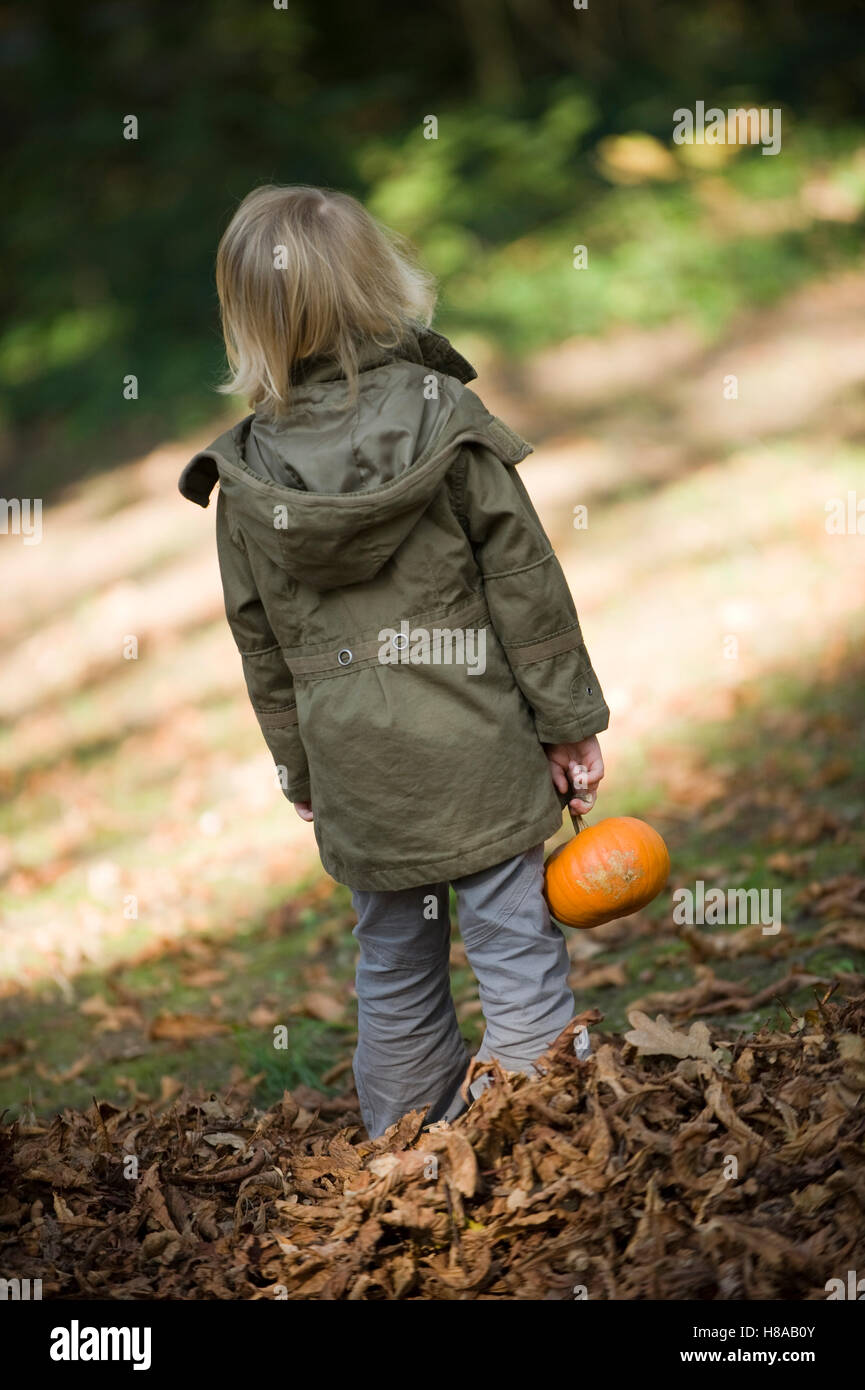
(529, 600)
(268, 678)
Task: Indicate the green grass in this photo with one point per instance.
(268, 960)
(271, 959)
(737, 856)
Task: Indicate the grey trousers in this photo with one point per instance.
(409, 1052)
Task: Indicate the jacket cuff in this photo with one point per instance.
(289, 756)
(293, 782)
(594, 721)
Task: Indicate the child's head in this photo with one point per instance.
(306, 272)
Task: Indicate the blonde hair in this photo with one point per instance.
(308, 272)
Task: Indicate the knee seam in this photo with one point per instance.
(395, 960)
(502, 922)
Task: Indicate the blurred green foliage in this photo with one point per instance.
(108, 243)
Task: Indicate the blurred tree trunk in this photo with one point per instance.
(582, 35)
(486, 25)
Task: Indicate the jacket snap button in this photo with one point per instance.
(344, 656)
(400, 641)
(589, 690)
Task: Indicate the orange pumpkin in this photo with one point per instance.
(607, 870)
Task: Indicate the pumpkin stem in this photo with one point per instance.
(576, 821)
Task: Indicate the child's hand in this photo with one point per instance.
(578, 765)
(303, 809)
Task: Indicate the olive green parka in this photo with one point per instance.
(408, 638)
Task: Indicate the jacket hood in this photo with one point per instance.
(331, 493)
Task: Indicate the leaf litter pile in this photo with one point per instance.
(668, 1164)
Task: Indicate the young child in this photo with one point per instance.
(408, 639)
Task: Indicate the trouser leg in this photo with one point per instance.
(409, 1051)
(520, 960)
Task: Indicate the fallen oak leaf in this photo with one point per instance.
(185, 1027)
(316, 1004)
(150, 1199)
(110, 1018)
(237, 1174)
(719, 1101)
(334, 1072)
(205, 978)
(225, 1139)
(657, 1038)
(605, 1065)
(796, 980)
(68, 1217)
(844, 932)
(59, 1077)
(462, 1163)
(262, 1016)
(708, 991)
(602, 977)
(727, 945)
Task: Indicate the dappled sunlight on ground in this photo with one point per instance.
(705, 560)
(147, 778)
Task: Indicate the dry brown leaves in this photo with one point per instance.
(664, 1166)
